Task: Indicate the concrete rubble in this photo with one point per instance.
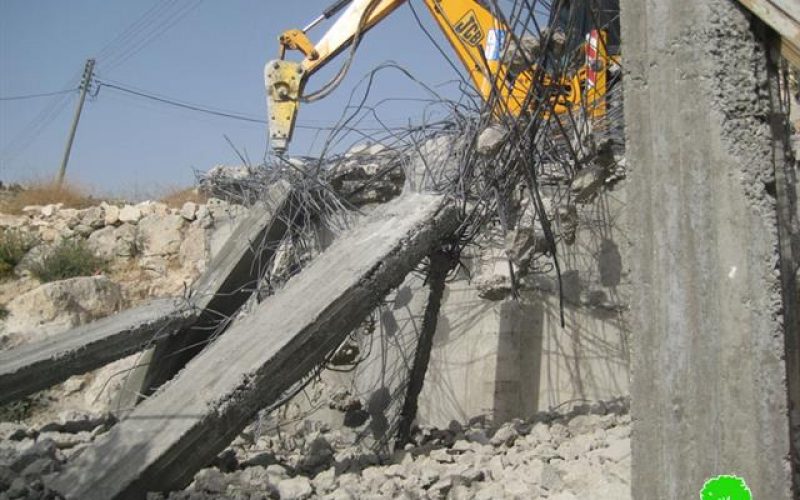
(563, 455)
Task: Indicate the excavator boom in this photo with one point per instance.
(479, 39)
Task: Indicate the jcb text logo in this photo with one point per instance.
(469, 30)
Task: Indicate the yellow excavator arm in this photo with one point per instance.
(466, 23)
(478, 38)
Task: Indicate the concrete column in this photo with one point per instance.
(712, 306)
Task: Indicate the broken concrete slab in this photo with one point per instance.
(33, 367)
(179, 430)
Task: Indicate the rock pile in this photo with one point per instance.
(29, 454)
(581, 454)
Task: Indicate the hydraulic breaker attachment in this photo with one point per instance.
(284, 81)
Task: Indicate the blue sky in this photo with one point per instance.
(209, 52)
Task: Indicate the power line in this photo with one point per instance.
(113, 47)
(149, 27)
(39, 123)
(233, 115)
(34, 96)
(192, 107)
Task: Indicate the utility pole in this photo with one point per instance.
(88, 73)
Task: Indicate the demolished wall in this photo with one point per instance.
(494, 356)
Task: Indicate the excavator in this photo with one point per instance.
(497, 60)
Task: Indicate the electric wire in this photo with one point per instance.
(39, 123)
(159, 29)
(36, 96)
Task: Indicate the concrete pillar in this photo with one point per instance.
(712, 306)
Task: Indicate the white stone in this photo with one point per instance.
(540, 433)
(73, 385)
(93, 217)
(161, 235)
(66, 439)
(210, 480)
(54, 307)
(576, 446)
(49, 234)
(130, 213)
(103, 242)
(516, 488)
(325, 481)
(496, 467)
(616, 451)
(111, 214)
(491, 491)
(490, 140)
(193, 252)
(70, 216)
(189, 211)
(558, 433)
(49, 210)
(506, 434)
(550, 478)
(296, 488)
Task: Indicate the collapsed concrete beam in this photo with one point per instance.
(221, 290)
(229, 281)
(167, 438)
(33, 367)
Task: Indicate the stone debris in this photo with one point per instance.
(130, 214)
(490, 140)
(524, 459)
(29, 455)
